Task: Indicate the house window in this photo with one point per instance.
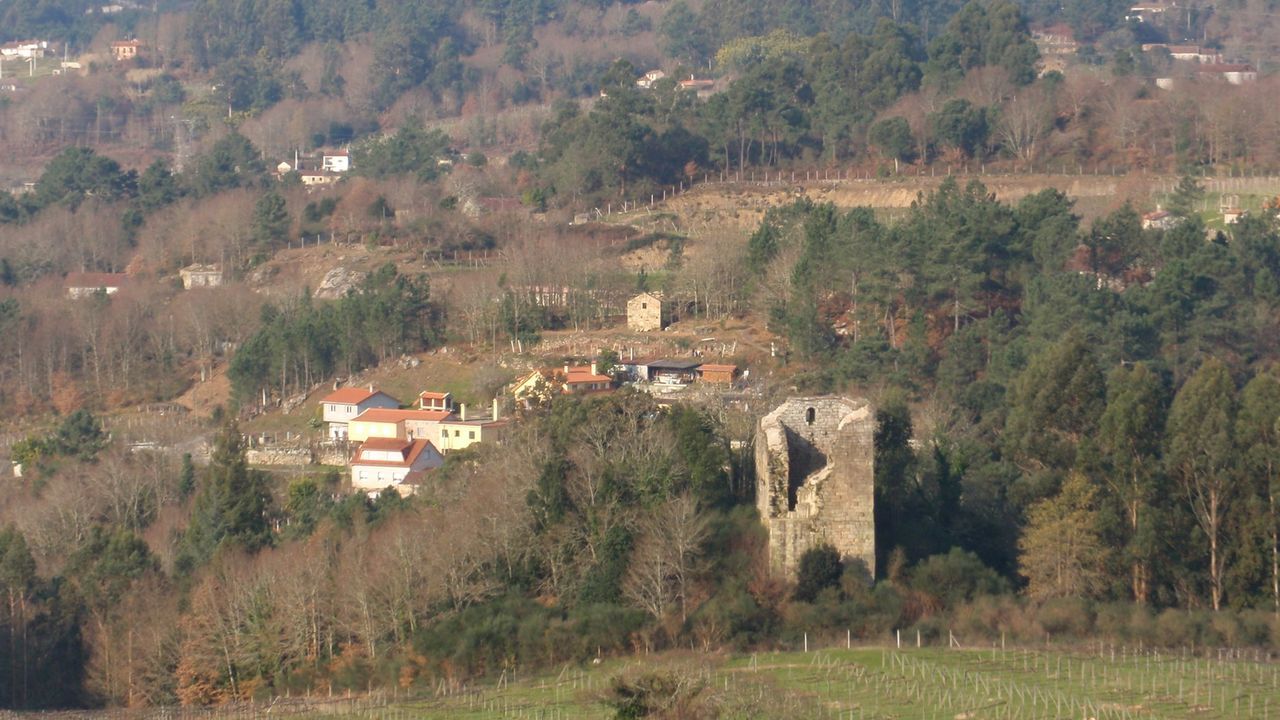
(809, 415)
(457, 433)
(644, 306)
(444, 433)
(471, 435)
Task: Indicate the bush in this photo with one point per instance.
(1179, 628)
(956, 577)
(1070, 617)
(820, 568)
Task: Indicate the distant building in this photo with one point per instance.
(1146, 12)
(1159, 220)
(704, 88)
(645, 312)
(717, 373)
(431, 400)
(319, 178)
(647, 80)
(475, 207)
(1231, 216)
(382, 463)
(338, 161)
(200, 276)
(1186, 53)
(394, 423)
(341, 406)
(672, 372)
(123, 50)
(459, 431)
(25, 49)
(80, 284)
(1233, 73)
(1055, 40)
(585, 379)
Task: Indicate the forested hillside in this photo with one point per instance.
(1094, 411)
(1077, 408)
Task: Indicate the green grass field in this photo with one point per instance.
(929, 684)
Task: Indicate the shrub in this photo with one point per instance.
(820, 568)
(1070, 617)
(956, 577)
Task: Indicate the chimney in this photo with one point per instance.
(370, 387)
(593, 368)
(495, 408)
(462, 413)
(566, 368)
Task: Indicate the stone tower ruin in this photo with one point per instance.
(815, 470)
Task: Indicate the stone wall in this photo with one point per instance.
(815, 470)
(278, 456)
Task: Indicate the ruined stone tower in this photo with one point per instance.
(815, 464)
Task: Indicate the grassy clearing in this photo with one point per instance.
(928, 684)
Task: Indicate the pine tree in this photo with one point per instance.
(1185, 196)
(270, 220)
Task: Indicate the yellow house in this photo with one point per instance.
(394, 423)
(456, 434)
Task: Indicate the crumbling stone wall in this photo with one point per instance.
(815, 470)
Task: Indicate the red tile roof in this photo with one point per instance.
(713, 367)
(392, 415)
(431, 395)
(580, 375)
(409, 451)
(351, 395)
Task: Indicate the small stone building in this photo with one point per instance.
(645, 312)
(815, 469)
(198, 276)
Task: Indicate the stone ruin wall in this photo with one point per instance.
(815, 479)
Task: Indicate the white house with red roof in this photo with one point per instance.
(342, 406)
(337, 161)
(382, 463)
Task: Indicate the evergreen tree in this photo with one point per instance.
(1185, 197)
(1055, 405)
(232, 505)
(270, 220)
(1131, 433)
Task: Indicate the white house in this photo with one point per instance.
(381, 463)
(80, 284)
(335, 161)
(318, 179)
(647, 80)
(342, 406)
(24, 49)
(1233, 73)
